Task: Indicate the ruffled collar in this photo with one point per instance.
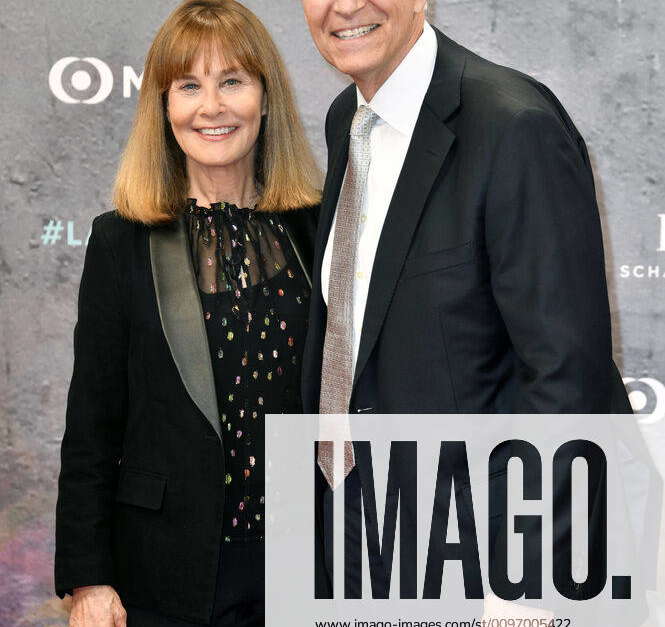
(216, 207)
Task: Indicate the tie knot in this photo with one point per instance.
(363, 120)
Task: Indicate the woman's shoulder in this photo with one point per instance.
(302, 224)
(113, 221)
(305, 218)
(116, 229)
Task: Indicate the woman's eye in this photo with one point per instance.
(231, 82)
(189, 86)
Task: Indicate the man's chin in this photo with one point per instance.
(357, 66)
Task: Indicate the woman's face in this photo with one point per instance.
(216, 117)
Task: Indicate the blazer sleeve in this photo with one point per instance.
(95, 419)
(545, 248)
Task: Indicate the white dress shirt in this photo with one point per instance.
(397, 103)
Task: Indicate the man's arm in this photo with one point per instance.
(544, 243)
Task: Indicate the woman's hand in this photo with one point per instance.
(97, 606)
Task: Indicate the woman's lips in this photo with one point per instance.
(218, 134)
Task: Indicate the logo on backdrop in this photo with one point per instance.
(648, 271)
(88, 80)
(53, 232)
(647, 397)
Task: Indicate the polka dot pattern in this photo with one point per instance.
(255, 300)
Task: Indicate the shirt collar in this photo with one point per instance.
(399, 99)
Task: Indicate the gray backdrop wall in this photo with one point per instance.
(603, 58)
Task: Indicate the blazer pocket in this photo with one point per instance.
(141, 489)
(439, 260)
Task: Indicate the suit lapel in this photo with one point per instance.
(182, 317)
(339, 148)
(430, 144)
(334, 179)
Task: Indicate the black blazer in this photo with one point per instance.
(141, 485)
(488, 291)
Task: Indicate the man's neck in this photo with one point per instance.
(371, 83)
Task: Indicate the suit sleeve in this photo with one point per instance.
(95, 419)
(547, 266)
(327, 132)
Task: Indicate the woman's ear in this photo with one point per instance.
(264, 104)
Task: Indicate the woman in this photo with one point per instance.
(191, 322)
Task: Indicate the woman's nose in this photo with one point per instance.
(213, 103)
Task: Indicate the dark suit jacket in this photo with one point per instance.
(488, 291)
(141, 489)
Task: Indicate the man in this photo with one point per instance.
(459, 263)
(459, 260)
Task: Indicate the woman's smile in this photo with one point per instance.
(216, 133)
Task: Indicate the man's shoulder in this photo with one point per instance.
(498, 92)
(489, 92)
(342, 106)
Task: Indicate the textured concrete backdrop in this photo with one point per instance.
(601, 57)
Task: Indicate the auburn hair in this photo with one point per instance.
(151, 183)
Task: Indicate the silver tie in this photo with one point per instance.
(337, 368)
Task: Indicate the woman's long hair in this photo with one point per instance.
(151, 184)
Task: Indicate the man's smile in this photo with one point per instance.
(355, 33)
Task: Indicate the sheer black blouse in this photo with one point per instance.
(255, 299)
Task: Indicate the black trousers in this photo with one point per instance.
(239, 597)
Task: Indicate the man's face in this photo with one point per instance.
(365, 39)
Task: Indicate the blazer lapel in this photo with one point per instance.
(181, 316)
(428, 149)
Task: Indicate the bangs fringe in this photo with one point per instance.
(207, 34)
